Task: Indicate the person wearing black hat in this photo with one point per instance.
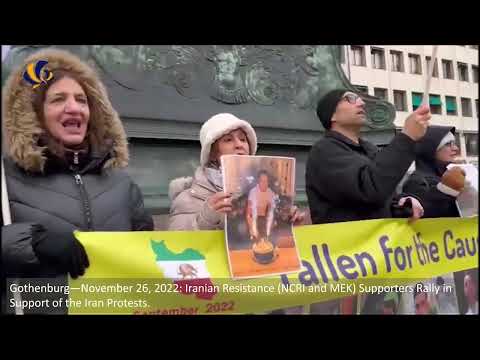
(431, 182)
(436, 186)
(347, 178)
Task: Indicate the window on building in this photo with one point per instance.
(435, 104)
(471, 142)
(381, 93)
(462, 71)
(466, 107)
(397, 60)
(415, 64)
(434, 101)
(447, 66)
(435, 68)
(451, 105)
(416, 100)
(476, 107)
(400, 100)
(457, 140)
(362, 89)
(358, 53)
(475, 73)
(378, 58)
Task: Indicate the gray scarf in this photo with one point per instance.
(215, 177)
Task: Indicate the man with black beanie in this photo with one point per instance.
(347, 178)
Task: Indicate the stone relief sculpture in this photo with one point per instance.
(184, 66)
(261, 88)
(229, 84)
(315, 75)
(293, 77)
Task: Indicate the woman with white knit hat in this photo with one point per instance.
(199, 203)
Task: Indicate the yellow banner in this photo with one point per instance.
(186, 272)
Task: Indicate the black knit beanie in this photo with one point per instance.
(327, 105)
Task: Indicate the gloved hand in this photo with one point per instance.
(408, 207)
(452, 182)
(415, 209)
(65, 252)
(402, 211)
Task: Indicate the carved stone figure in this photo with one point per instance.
(229, 86)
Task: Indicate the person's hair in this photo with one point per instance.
(440, 281)
(215, 163)
(263, 172)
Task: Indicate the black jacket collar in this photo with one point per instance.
(342, 138)
(362, 146)
(81, 161)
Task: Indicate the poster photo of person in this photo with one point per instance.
(446, 295)
(385, 303)
(259, 235)
(424, 299)
(436, 296)
(466, 283)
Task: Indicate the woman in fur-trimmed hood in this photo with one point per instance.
(64, 150)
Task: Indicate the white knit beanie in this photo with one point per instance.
(219, 125)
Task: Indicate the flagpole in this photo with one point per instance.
(429, 76)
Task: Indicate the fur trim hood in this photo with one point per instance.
(178, 185)
(22, 127)
(199, 185)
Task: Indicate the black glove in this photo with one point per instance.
(405, 211)
(64, 252)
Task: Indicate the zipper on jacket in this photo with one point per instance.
(85, 202)
(75, 157)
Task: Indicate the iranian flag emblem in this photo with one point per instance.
(188, 270)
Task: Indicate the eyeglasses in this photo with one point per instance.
(450, 144)
(351, 98)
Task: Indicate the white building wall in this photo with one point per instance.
(405, 81)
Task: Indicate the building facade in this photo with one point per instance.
(398, 74)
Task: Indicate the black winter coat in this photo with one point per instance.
(428, 172)
(58, 189)
(65, 199)
(346, 181)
